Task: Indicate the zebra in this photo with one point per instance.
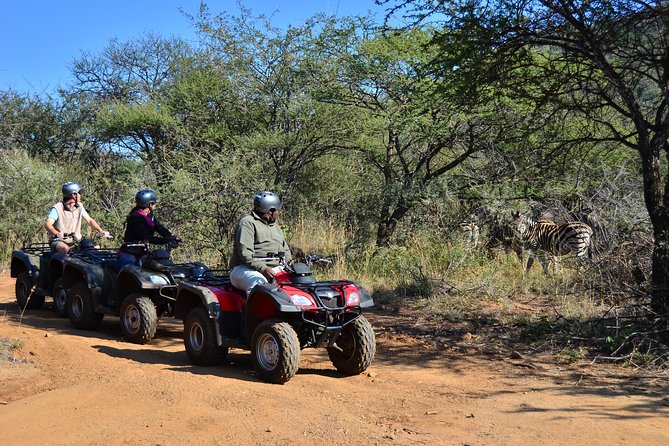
(500, 235)
(472, 233)
(553, 239)
(601, 238)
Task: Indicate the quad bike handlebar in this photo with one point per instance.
(310, 259)
(281, 256)
(173, 243)
(144, 247)
(71, 238)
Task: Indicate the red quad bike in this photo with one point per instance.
(276, 321)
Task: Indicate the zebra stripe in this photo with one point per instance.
(554, 239)
(501, 236)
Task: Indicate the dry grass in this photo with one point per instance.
(571, 314)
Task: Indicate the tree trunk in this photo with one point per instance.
(388, 225)
(660, 257)
(657, 205)
(660, 278)
(384, 232)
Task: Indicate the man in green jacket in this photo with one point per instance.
(258, 234)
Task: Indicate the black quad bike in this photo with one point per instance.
(276, 321)
(138, 293)
(38, 271)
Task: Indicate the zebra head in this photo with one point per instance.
(522, 225)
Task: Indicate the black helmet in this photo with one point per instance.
(144, 197)
(71, 188)
(266, 200)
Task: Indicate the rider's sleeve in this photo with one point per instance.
(84, 214)
(244, 244)
(162, 230)
(283, 246)
(53, 215)
(286, 249)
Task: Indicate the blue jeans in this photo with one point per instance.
(123, 259)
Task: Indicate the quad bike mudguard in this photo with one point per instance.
(55, 268)
(279, 298)
(134, 276)
(22, 261)
(192, 294)
(76, 270)
(33, 259)
(366, 300)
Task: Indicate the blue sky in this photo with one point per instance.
(39, 39)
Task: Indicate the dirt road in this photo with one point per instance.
(92, 388)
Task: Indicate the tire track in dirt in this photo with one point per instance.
(92, 388)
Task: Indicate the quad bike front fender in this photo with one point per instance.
(133, 278)
(266, 296)
(56, 264)
(366, 300)
(266, 301)
(189, 296)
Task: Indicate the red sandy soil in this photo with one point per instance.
(73, 387)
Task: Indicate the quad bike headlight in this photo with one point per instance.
(300, 300)
(352, 295)
(158, 280)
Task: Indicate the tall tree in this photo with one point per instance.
(126, 82)
(606, 61)
(271, 69)
(414, 130)
(34, 125)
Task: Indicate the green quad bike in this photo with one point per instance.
(38, 271)
(138, 293)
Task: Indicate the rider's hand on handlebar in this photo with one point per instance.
(106, 234)
(272, 272)
(173, 242)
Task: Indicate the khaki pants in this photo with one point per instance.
(244, 278)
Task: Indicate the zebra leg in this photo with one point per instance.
(530, 261)
(582, 261)
(544, 261)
